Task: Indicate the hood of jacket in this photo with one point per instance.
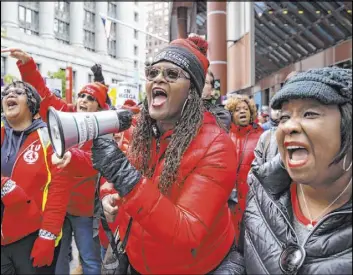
(12, 143)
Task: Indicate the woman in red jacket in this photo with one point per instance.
(245, 134)
(181, 173)
(34, 195)
(79, 219)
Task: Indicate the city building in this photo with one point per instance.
(61, 34)
(157, 24)
(253, 46)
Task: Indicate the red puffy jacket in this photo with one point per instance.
(44, 185)
(245, 140)
(189, 231)
(83, 176)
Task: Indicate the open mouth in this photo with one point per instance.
(298, 155)
(242, 117)
(11, 103)
(159, 97)
(82, 108)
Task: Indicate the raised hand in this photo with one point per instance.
(17, 54)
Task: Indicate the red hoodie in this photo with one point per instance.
(83, 175)
(45, 186)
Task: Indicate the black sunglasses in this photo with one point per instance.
(291, 259)
(89, 97)
(170, 74)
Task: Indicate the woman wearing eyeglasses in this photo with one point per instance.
(298, 218)
(181, 173)
(77, 161)
(34, 194)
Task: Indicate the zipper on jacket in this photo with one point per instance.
(13, 168)
(280, 210)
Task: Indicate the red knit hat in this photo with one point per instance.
(190, 55)
(98, 91)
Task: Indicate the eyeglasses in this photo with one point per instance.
(89, 97)
(169, 74)
(291, 259)
(18, 92)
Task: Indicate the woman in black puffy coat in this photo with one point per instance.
(298, 218)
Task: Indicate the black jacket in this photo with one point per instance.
(267, 228)
(219, 111)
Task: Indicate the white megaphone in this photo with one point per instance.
(69, 129)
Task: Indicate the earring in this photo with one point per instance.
(186, 101)
(344, 164)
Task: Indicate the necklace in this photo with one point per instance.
(311, 226)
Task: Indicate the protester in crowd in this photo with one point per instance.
(302, 216)
(273, 120)
(210, 97)
(34, 194)
(244, 134)
(266, 149)
(181, 173)
(79, 219)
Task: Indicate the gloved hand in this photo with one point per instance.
(114, 166)
(97, 73)
(11, 193)
(43, 252)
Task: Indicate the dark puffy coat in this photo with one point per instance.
(218, 110)
(267, 228)
(245, 140)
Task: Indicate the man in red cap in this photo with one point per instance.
(77, 160)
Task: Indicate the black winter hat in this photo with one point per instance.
(330, 86)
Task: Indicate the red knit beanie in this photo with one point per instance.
(190, 55)
(98, 91)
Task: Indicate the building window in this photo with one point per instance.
(28, 17)
(90, 78)
(112, 9)
(89, 40)
(112, 41)
(89, 25)
(3, 65)
(136, 34)
(136, 16)
(136, 64)
(136, 50)
(112, 48)
(115, 81)
(62, 22)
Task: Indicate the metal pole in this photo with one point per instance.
(132, 27)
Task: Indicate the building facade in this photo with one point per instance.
(157, 24)
(61, 34)
(253, 46)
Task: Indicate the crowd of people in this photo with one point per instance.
(192, 187)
